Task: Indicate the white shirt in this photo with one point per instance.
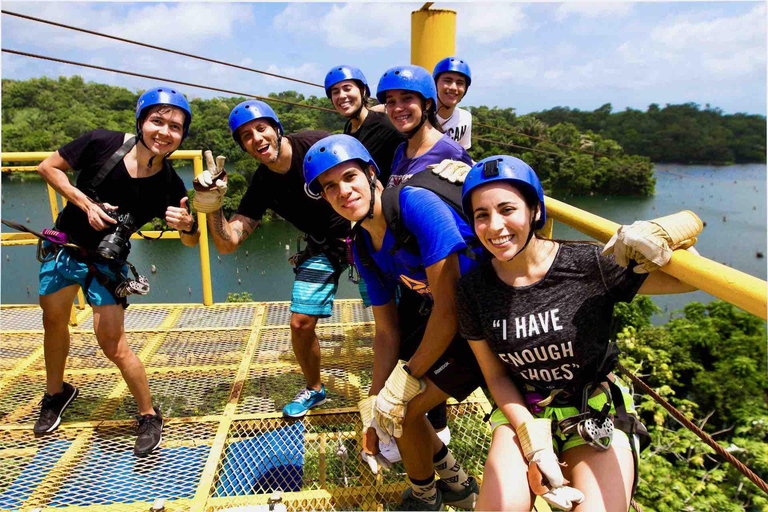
(458, 127)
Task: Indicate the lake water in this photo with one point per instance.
(731, 200)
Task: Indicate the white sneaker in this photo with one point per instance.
(390, 451)
(445, 435)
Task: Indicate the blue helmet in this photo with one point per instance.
(503, 168)
(331, 151)
(162, 96)
(409, 78)
(340, 73)
(248, 111)
(453, 64)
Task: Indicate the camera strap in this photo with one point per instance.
(111, 163)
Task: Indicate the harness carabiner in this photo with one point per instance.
(594, 427)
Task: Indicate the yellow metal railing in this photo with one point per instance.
(27, 239)
(740, 289)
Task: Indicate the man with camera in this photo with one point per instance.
(278, 184)
(124, 182)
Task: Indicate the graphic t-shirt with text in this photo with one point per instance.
(458, 127)
(551, 334)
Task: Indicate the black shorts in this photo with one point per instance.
(456, 371)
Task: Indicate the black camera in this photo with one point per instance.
(115, 244)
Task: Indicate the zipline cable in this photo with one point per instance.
(696, 430)
(229, 64)
(130, 41)
(102, 68)
(513, 132)
(263, 98)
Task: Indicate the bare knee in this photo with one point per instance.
(303, 325)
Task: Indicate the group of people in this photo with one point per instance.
(464, 291)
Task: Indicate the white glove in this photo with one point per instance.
(544, 474)
(451, 170)
(392, 401)
(651, 242)
(376, 462)
(371, 432)
(210, 186)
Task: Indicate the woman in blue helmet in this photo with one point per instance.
(452, 79)
(538, 318)
(121, 186)
(409, 94)
(348, 90)
(419, 359)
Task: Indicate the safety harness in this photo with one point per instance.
(449, 193)
(595, 427)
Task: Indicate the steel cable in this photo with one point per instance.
(679, 416)
(130, 41)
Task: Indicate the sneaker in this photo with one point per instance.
(412, 503)
(304, 400)
(445, 435)
(52, 407)
(150, 432)
(390, 450)
(466, 498)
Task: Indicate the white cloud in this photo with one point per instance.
(352, 26)
(308, 72)
(176, 26)
(593, 10)
(486, 23)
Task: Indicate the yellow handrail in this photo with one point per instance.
(185, 154)
(740, 289)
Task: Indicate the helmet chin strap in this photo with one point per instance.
(369, 215)
(409, 135)
(528, 240)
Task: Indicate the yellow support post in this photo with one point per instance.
(433, 36)
(205, 259)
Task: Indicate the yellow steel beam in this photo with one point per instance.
(731, 285)
(217, 449)
(205, 258)
(39, 156)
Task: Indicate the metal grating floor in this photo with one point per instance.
(220, 374)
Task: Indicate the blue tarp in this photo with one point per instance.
(266, 463)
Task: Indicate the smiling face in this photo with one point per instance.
(346, 97)
(259, 139)
(163, 129)
(347, 188)
(404, 109)
(502, 218)
(451, 88)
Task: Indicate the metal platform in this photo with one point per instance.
(220, 374)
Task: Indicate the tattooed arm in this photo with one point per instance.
(229, 235)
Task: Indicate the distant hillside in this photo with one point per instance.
(676, 133)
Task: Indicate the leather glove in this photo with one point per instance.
(370, 452)
(392, 401)
(544, 474)
(651, 242)
(451, 170)
(210, 186)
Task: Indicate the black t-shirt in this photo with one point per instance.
(380, 138)
(551, 334)
(287, 194)
(145, 198)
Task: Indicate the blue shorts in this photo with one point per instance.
(315, 287)
(65, 270)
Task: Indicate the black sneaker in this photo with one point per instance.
(410, 502)
(150, 430)
(466, 498)
(52, 407)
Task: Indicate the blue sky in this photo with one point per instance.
(529, 56)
